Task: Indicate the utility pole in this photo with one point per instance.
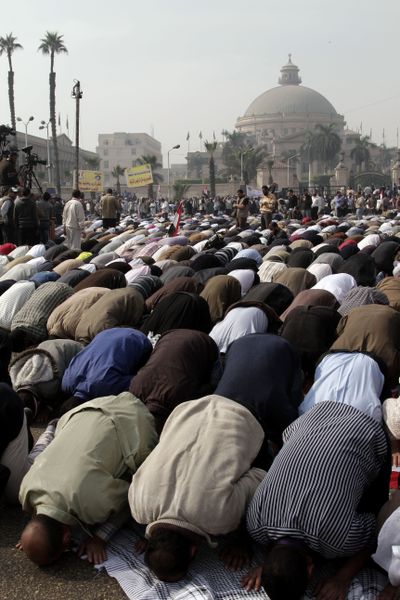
(77, 94)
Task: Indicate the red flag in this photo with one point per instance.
(177, 219)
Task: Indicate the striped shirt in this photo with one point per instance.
(330, 457)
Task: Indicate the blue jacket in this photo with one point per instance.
(106, 366)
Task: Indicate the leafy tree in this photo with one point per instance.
(157, 177)
(238, 149)
(118, 172)
(8, 45)
(53, 44)
(211, 148)
(180, 190)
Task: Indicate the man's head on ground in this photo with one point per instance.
(286, 573)
(44, 540)
(168, 555)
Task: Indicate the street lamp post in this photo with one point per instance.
(45, 126)
(288, 167)
(168, 173)
(26, 127)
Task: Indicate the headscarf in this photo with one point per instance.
(361, 267)
(175, 272)
(276, 295)
(373, 239)
(319, 270)
(246, 278)
(137, 272)
(269, 270)
(384, 256)
(296, 279)
(312, 298)
(238, 323)
(201, 277)
(375, 330)
(74, 276)
(390, 287)
(180, 284)
(220, 292)
(300, 258)
(250, 253)
(179, 369)
(64, 319)
(109, 278)
(205, 261)
(330, 258)
(360, 296)
(179, 310)
(54, 251)
(105, 367)
(311, 330)
(350, 378)
(339, 285)
(262, 373)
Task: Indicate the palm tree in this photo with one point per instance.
(118, 172)
(196, 162)
(211, 148)
(8, 45)
(53, 44)
(326, 144)
(360, 153)
(180, 190)
(150, 159)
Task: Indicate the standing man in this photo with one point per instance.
(73, 221)
(45, 211)
(242, 209)
(268, 205)
(7, 215)
(110, 207)
(26, 219)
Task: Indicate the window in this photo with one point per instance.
(105, 164)
(105, 152)
(105, 142)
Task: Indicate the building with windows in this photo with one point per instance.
(123, 149)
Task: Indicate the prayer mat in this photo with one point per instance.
(208, 578)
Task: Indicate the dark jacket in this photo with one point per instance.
(25, 213)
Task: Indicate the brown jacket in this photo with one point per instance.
(110, 207)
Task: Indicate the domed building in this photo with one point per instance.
(280, 117)
(288, 109)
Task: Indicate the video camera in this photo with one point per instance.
(31, 158)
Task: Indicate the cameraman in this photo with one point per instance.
(7, 216)
(8, 170)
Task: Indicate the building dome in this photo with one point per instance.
(290, 99)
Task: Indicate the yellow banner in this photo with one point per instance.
(91, 181)
(139, 176)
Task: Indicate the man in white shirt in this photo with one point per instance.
(73, 221)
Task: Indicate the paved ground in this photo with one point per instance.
(70, 579)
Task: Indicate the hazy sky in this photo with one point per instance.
(175, 66)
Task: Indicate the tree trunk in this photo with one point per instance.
(118, 186)
(52, 82)
(211, 167)
(150, 191)
(11, 98)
